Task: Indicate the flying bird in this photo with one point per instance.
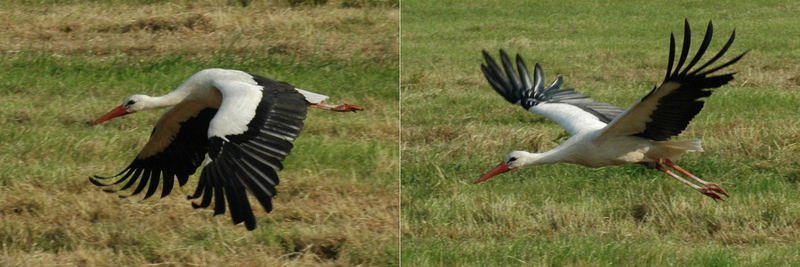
(603, 134)
(238, 125)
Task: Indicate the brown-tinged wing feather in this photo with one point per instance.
(177, 146)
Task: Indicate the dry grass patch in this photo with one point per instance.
(67, 62)
(311, 224)
(105, 29)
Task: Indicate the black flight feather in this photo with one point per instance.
(676, 109)
(248, 162)
(519, 89)
(239, 164)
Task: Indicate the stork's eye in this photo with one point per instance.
(512, 159)
(129, 103)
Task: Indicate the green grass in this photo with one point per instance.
(337, 201)
(455, 128)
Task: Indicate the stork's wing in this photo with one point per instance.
(668, 108)
(248, 139)
(573, 111)
(175, 149)
(243, 141)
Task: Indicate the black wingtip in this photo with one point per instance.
(495, 76)
(699, 71)
(687, 42)
(671, 58)
(700, 51)
(557, 83)
(676, 108)
(538, 80)
(509, 69)
(94, 180)
(679, 71)
(734, 60)
(100, 177)
(524, 74)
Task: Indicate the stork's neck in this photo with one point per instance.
(197, 85)
(536, 159)
(168, 100)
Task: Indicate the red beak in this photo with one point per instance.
(118, 111)
(501, 168)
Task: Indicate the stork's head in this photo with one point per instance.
(512, 161)
(131, 104)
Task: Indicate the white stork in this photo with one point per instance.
(238, 125)
(603, 134)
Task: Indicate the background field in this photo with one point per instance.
(455, 128)
(64, 63)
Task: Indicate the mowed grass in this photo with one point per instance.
(65, 63)
(456, 128)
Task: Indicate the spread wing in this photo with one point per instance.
(245, 159)
(175, 149)
(572, 110)
(668, 108)
(243, 141)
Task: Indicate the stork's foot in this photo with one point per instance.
(710, 189)
(338, 108)
(346, 107)
(710, 193)
(717, 189)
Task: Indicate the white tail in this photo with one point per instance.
(672, 149)
(312, 97)
(691, 145)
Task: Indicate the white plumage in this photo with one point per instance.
(238, 125)
(603, 134)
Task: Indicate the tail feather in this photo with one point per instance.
(691, 145)
(671, 149)
(312, 97)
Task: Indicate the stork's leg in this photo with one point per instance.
(710, 185)
(706, 191)
(338, 108)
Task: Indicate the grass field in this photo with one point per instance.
(65, 63)
(455, 128)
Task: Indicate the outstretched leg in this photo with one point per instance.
(710, 185)
(704, 190)
(338, 108)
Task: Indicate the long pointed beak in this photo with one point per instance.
(116, 112)
(501, 168)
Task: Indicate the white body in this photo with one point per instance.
(240, 124)
(233, 92)
(603, 134)
(586, 149)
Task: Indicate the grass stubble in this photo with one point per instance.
(65, 62)
(455, 128)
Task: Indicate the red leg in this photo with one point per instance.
(706, 191)
(338, 108)
(711, 186)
